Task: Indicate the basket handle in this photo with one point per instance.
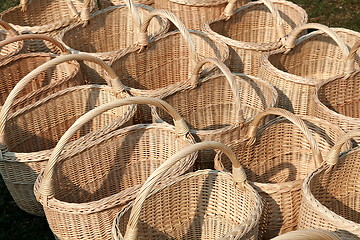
(143, 40)
(251, 133)
(195, 81)
(306, 234)
(239, 177)
(229, 11)
(22, 37)
(290, 42)
(7, 27)
(46, 188)
(114, 82)
(350, 61)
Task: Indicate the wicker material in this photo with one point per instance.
(28, 135)
(306, 62)
(13, 48)
(308, 234)
(84, 190)
(199, 205)
(277, 158)
(121, 2)
(331, 194)
(195, 13)
(109, 32)
(219, 107)
(255, 28)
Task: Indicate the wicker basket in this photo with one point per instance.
(109, 32)
(255, 28)
(300, 65)
(84, 190)
(28, 135)
(14, 68)
(110, 3)
(331, 194)
(219, 107)
(194, 13)
(199, 205)
(277, 158)
(11, 49)
(308, 234)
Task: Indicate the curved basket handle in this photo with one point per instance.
(308, 234)
(114, 82)
(134, 13)
(350, 61)
(251, 133)
(46, 188)
(229, 11)
(7, 27)
(290, 42)
(35, 36)
(143, 40)
(238, 175)
(195, 77)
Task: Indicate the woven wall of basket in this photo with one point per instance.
(13, 48)
(331, 193)
(205, 204)
(83, 189)
(277, 157)
(27, 136)
(255, 28)
(295, 69)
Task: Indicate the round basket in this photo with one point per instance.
(13, 48)
(199, 205)
(331, 194)
(277, 157)
(219, 107)
(27, 136)
(308, 234)
(295, 69)
(85, 188)
(255, 28)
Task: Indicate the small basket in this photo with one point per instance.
(254, 29)
(277, 158)
(308, 234)
(84, 189)
(205, 204)
(13, 48)
(28, 135)
(331, 194)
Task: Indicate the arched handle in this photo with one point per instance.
(134, 13)
(229, 11)
(290, 42)
(195, 77)
(350, 61)
(113, 82)
(238, 175)
(35, 36)
(308, 234)
(46, 188)
(254, 125)
(7, 27)
(143, 40)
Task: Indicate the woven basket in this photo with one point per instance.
(11, 49)
(308, 234)
(110, 3)
(84, 190)
(199, 205)
(28, 135)
(255, 28)
(219, 107)
(109, 32)
(331, 194)
(14, 68)
(277, 158)
(295, 69)
(194, 13)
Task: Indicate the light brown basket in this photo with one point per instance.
(254, 29)
(199, 205)
(109, 32)
(84, 189)
(308, 234)
(295, 69)
(277, 158)
(14, 68)
(121, 2)
(194, 13)
(219, 107)
(28, 135)
(13, 48)
(331, 194)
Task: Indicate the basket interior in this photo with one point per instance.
(203, 206)
(9, 48)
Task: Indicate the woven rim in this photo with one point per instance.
(201, 3)
(308, 234)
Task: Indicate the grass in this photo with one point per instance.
(16, 224)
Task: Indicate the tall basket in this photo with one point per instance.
(83, 189)
(277, 157)
(11, 49)
(331, 194)
(27, 136)
(205, 204)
